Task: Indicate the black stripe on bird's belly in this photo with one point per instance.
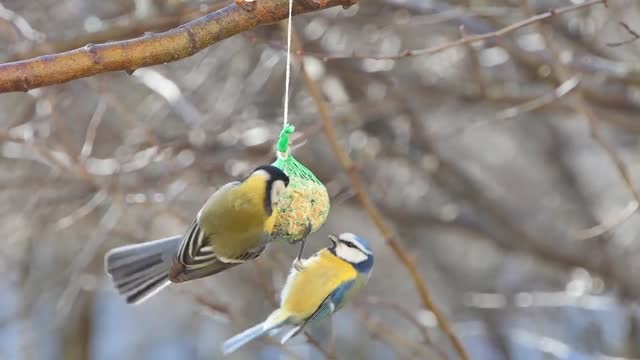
(267, 198)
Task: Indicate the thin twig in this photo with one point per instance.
(224, 311)
(88, 252)
(581, 107)
(604, 227)
(463, 40)
(216, 307)
(368, 205)
(171, 92)
(66, 141)
(474, 61)
(410, 316)
(92, 129)
(634, 36)
(21, 24)
(98, 198)
(399, 343)
(514, 111)
(632, 207)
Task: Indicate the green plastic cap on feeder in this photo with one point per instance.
(306, 198)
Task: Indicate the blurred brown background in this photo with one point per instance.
(483, 158)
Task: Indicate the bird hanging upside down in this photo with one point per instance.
(233, 226)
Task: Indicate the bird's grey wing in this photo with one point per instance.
(192, 249)
(251, 254)
(195, 258)
(198, 262)
(327, 307)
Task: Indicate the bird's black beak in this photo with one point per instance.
(333, 238)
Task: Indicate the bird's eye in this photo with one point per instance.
(351, 245)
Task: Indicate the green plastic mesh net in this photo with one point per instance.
(306, 198)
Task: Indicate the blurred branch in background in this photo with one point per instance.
(20, 24)
(581, 107)
(634, 36)
(366, 202)
(468, 39)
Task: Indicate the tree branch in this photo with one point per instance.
(132, 28)
(371, 209)
(151, 49)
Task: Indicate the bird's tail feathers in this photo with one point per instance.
(273, 323)
(141, 270)
(291, 333)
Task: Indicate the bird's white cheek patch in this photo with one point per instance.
(350, 254)
(276, 191)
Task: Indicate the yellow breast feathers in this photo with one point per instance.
(238, 209)
(257, 186)
(307, 289)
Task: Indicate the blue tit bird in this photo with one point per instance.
(233, 226)
(316, 287)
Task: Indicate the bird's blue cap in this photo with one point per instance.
(356, 239)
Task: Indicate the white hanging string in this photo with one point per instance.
(288, 71)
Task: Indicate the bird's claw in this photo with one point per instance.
(307, 231)
(298, 265)
(308, 228)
